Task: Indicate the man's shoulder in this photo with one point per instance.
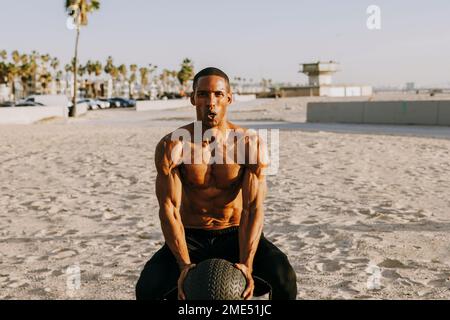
(176, 136)
(242, 132)
(168, 153)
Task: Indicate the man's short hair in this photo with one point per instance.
(211, 71)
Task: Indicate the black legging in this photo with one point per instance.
(161, 272)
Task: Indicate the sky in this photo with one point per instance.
(248, 38)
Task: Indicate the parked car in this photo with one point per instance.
(94, 104)
(169, 95)
(50, 99)
(112, 103)
(7, 104)
(28, 103)
(102, 104)
(122, 102)
(90, 103)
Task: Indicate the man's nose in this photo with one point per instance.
(211, 102)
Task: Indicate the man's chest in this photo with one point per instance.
(218, 176)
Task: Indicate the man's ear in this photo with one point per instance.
(230, 97)
(192, 98)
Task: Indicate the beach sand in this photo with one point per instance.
(360, 216)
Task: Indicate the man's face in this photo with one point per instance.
(211, 99)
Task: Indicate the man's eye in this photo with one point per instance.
(219, 94)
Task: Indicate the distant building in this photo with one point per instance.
(320, 83)
(410, 86)
(4, 93)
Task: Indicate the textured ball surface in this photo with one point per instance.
(214, 279)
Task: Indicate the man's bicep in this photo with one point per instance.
(168, 183)
(161, 159)
(253, 189)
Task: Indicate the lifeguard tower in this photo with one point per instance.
(320, 84)
(319, 73)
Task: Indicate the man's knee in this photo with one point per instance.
(285, 271)
(285, 280)
(154, 283)
(145, 290)
(160, 274)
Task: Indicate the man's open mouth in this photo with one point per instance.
(211, 116)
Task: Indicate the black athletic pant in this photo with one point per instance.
(161, 272)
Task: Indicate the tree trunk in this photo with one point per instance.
(129, 90)
(13, 91)
(73, 112)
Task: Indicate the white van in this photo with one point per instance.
(50, 100)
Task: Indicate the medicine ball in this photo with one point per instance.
(214, 279)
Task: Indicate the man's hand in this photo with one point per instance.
(183, 274)
(248, 292)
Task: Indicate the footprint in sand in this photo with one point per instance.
(110, 216)
(328, 266)
(345, 288)
(392, 264)
(440, 283)
(64, 253)
(315, 234)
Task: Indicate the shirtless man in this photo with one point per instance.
(213, 209)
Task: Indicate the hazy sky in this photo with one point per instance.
(248, 38)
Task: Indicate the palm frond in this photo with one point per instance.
(94, 5)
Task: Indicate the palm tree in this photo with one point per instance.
(111, 70)
(123, 73)
(185, 74)
(164, 78)
(44, 75)
(81, 71)
(79, 10)
(3, 55)
(97, 67)
(55, 64)
(68, 68)
(144, 79)
(15, 55)
(133, 77)
(8, 73)
(90, 68)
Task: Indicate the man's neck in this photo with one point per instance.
(222, 127)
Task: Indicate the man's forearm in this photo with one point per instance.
(250, 230)
(174, 235)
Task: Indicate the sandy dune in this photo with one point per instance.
(359, 215)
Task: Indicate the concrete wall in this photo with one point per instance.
(352, 91)
(381, 112)
(327, 91)
(335, 112)
(27, 115)
(288, 92)
(161, 104)
(444, 113)
(82, 109)
(366, 91)
(243, 97)
(334, 92)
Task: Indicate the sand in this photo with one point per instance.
(360, 215)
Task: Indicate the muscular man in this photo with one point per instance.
(213, 209)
